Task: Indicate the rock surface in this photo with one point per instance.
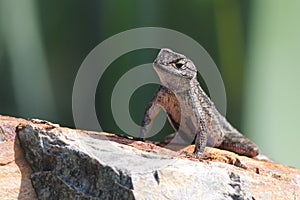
(15, 172)
(75, 164)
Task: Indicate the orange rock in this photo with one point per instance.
(14, 173)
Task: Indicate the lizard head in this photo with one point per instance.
(175, 70)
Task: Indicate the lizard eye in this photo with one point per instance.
(179, 64)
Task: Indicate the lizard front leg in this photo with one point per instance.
(166, 100)
(200, 143)
(151, 112)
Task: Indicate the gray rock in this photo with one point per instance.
(69, 164)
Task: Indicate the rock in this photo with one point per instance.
(75, 164)
(15, 172)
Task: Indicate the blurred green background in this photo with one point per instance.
(255, 44)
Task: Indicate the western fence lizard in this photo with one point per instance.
(189, 110)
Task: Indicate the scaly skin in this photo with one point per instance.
(190, 111)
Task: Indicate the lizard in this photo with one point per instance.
(189, 110)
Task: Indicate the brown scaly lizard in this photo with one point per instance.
(189, 110)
